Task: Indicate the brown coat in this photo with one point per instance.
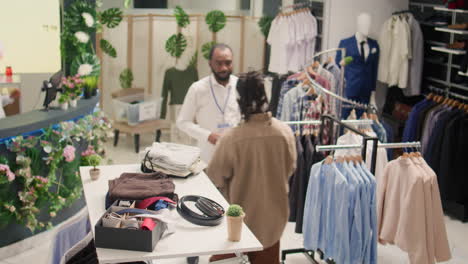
(251, 165)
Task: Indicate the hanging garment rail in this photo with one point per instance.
(336, 96)
(448, 93)
(318, 122)
(302, 4)
(379, 145)
(310, 253)
(365, 138)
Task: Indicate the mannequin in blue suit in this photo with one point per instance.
(361, 73)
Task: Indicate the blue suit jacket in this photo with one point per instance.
(360, 76)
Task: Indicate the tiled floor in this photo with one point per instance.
(124, 153)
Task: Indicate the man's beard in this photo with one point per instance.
(224, 77)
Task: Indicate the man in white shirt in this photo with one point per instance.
(210, 106)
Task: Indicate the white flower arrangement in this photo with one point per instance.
(82, 37)
(88, 18)
(85, 69)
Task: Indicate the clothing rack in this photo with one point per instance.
(310, 253)
(447, 93)
(339, 96)
(296, 5)
(365, 138)
(401, 12)
(318, 122)
(416, 144)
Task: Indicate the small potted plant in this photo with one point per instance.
(235, 217)
(63, 101)
(90, 86)
(72, 85)
(94, 160)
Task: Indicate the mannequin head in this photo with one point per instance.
(363, 24)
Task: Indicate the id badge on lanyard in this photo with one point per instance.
(222, 124)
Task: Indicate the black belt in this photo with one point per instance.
(212, 211)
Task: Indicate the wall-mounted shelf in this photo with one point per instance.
(439, 8)
(449, 84)
(435, 43)
(437, 62)
(454, 31)
(449, 51)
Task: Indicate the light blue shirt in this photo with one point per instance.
(354, 212)
(364, 212)
(373, 219)
(312, 208)
(367, 231)
(338, 242)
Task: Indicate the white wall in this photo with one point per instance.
(342, 15)
(30, 32)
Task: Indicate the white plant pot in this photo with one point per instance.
(73, 102)
(64, 106)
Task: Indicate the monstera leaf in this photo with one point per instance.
(265, 24)
(73, 20)
(108, 48)
(206, 48)
(181, 17)
(216, 20)
(194, 59)
(176, 45)
(111, 17)
(86, 65)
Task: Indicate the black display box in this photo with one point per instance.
(127, 239)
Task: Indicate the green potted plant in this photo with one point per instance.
(235, 217)
(94, 160)
(63, 101)
(90, 86)
(126, 78)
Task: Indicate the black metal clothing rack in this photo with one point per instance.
(311, 253)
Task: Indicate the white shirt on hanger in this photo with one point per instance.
(278, 38)
(385, 44)
(200, 114)
(399, 55)
(417, 58)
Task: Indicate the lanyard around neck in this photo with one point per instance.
(221, 110)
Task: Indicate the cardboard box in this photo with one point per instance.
(127, 239)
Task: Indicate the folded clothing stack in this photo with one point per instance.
(139, 186)
(172, 159)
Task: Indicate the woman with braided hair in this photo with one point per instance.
(251, 166)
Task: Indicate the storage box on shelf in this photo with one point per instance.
(135, 109)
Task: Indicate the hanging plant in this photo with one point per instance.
(126, 78)
(74, 19)
(206, 48)
(265, 23)
(111, 17)
(86, 65)
(216, 20)
(181, 17)
(176, 45)
(108, 48)
(193, 60)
